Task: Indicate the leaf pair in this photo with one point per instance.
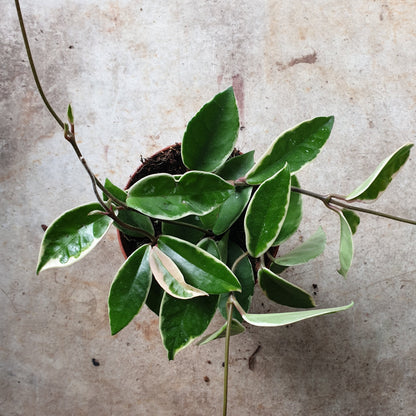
(180, 320)
(280, 290)
(183, 270)
(369, 190)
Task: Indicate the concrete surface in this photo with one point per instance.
(135, 73)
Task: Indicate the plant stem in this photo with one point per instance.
(372, 212)
(71, 137)
(329, 200)
(227, 353)
(32, 65)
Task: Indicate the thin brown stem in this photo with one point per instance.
(372, 212)
(70, 137)
(329, 200)
(32, 66)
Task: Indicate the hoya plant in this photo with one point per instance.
(205, 236)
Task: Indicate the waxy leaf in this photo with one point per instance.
(223, 247)
(287, 318)
(378, 181)
(135, 219)
(115, 191)
(236, 167)
(283, 292)
(297, 147)
(210, 136)
(346, 247)
(236, 329)
(72, 236)
(130, 217)
(129, 289)
(293, 216)
(266, 212)
(186, 232)
(169, 277)
(181, 321)
(245, 275)
(311, 248)
(223, 217)
(154, 297)
(352, 218)
(277, 268)
(199, 268)
(164, 197)
(210, 246)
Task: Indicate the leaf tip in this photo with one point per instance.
(70, 114)
(343, 273)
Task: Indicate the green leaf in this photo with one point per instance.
(311, 248)
(162, 196)
(129, 289)
(169, 277)
(210, 246)
(223, 247)
(210, 136)
(72, 236)
(346, 247)
(223, 217)
(115, 191)
(378, 181)
(293, 216)
(70, 115)
(130, 217)
(297, 147)
(352, 218)
(200, 269)
(283, 292)
(137, 220)
(236, 167)
(181, 230)
(277, 268)
(266, 212)
(154, 297)
(245, 275)
(181, 321)
(236, 329)
(287, 318)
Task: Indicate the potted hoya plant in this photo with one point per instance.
(203, 225)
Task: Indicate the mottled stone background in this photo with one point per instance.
(135, 73)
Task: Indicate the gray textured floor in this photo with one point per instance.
(135, 73)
